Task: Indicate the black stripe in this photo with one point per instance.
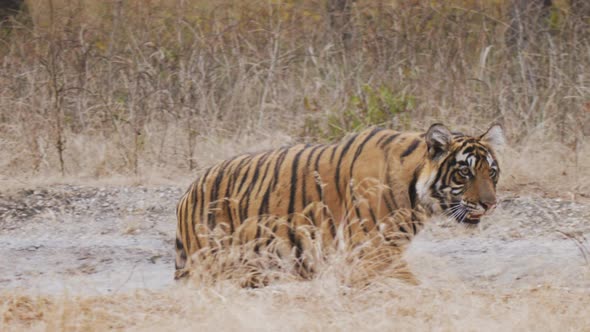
(305, 175)
(269, 163)
(363, 224)
(332, 225)
(360, 148)
(393, 200)
(294, 168)
(244, 177)
(316, 169)
(469, 140)
(227, 199)
(194, 205)
(244, 210)
(179, 245)
(179, 225)
(357, 211)
(354, 203)
(235, 173)
(373, 217)
(218, 179)
(402, 229)
(227, 203)
(265, 199)
(382, 137)
(296, 243)
(193, 215)
(263, 209)
(334, 152)
(440, 199)
(185, 222)
(469, 150)
(256, 237)
(202, 188)
(390, 205)
(388, 140)
(410, 148)
(342, 154)
(213, 198)
(278, 165)
(259, 164)
(390, 183)
(412, 187)
(414, 229)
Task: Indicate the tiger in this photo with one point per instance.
(377, 181)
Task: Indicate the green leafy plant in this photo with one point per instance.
(373, 106)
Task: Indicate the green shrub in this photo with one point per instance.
(372, 106)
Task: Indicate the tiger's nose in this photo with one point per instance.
(488, 205)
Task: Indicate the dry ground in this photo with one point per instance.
(161, 89)
(80, 257)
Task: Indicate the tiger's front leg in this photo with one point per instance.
(384, 256)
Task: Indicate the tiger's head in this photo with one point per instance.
(461, 173)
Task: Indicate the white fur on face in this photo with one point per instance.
(471, 161)
(423, 187)
(490, 160)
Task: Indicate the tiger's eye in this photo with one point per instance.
(464, 171)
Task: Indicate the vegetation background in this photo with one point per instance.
(154, 91)
(164, 88)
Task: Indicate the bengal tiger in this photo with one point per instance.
(376, 182)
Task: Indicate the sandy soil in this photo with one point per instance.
(111, 239)
(96, 241)
(102, 239)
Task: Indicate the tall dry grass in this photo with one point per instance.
(321, 304)
(99, 89)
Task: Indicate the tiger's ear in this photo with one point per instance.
(494, 137)
(438, 139)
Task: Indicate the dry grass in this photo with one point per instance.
(124, 88)
(320, 304)
(139, 92)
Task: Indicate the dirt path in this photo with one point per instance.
(90, 240)
(105, 240)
